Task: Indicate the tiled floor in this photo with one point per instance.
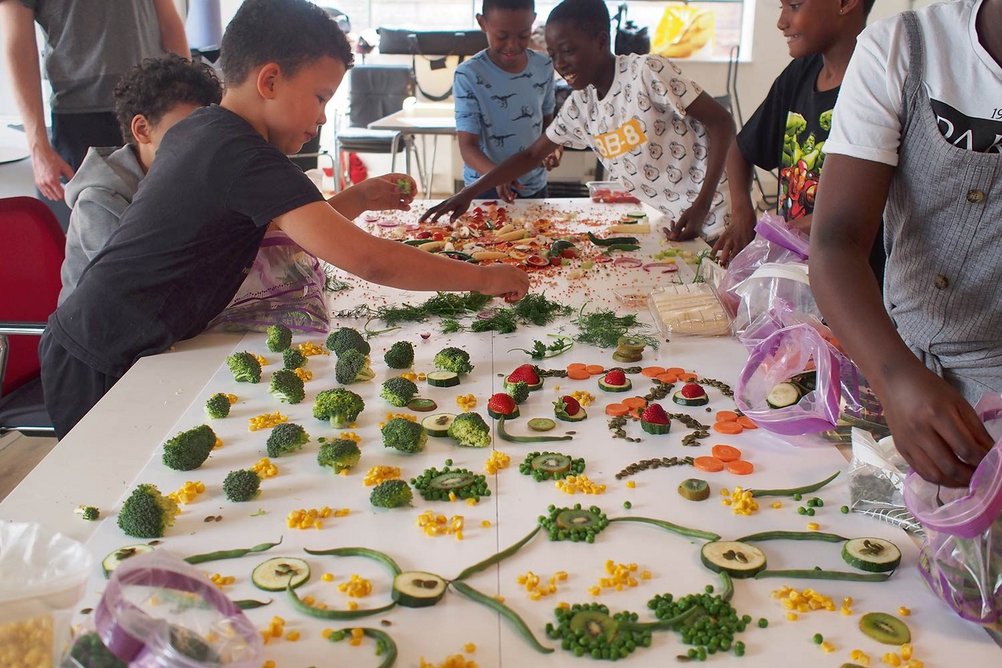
(18, 456)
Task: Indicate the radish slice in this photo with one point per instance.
(668, 267)
(388, 223)
(631, 262)
(602, 258)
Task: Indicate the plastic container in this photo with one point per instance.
(688, 309)
(42, 578)
(610, 192)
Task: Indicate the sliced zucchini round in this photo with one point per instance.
(438, 424)
(655, 428)
(115, 558)
(442, 379)
(682, 400)
(418, 589)
(421, 405)
(577, 417)
(277, 573)
(783, 395)
(541, 424)
(875, 555)
(628, 385)
(497, 416)
(739, 560)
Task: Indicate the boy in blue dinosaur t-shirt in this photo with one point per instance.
(504, 100)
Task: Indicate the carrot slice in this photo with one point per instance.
(747, 422)
(708, 464)
(730, 428)
(727, 416)
(578, 374)
(675, 370)
(667, 377)
(635, 413)
(617, 410)
(687, 377)
(594, 369)
(740, 467)
(576, 365)
(726, 453)
(652, 371)
(634, 402)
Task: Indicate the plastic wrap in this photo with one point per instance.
(876, 481)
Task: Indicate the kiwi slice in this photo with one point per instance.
(885, 628)
(627, 357)
(594, 625)
(694, 489)
(541, 424)
(551, 463)
(422, 405)
(578, 519)
(630, 345)
(453, 480)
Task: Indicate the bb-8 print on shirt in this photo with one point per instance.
(644, 137)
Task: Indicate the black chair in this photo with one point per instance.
(375, 91)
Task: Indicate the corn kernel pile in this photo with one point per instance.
(466, 402)
(535, 586)
(309, 349)
(584, 397)
(620, 576)
(350, 436)
(188, 492)
(312, 518)
(304, 374)
(378, 474)
(27, 642)
(390, 415)
(264, 468)
(807, 600)
(440, 525)
(266, 421)
(222, 580)
(356, 587)
(261, 360)
(579, 484)
(740, 500)
(497, 461)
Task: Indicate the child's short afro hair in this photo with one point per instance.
(590, 16)
(288, 32)
(157, 85)
(515, 5)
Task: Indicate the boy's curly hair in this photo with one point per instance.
(157, 85)
(590, 16)
(288, 32)
(508, 4)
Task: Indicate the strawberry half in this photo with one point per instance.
(615, 377)
(654, 414)
(501, 403)
(568, 405)
(693, 391)
(527, 373)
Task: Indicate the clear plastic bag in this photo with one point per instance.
(158, 611)
(42, 577)
(774, 286)
(961, 557)
(876, 481)
(285, 285)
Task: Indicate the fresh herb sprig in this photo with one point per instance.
(603, 328)
(540, 350)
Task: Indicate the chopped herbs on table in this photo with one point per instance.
(603, 328)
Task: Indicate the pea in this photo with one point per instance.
(818, 639)
(845, 510)
(627, 505)
(798, 497)
(763, 622)
(708, 589)
(801, 510)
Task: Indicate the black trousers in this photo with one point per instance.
(70, 387)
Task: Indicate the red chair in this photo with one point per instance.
(32, 247)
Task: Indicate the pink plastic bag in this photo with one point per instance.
(961, 557)
(285, 286)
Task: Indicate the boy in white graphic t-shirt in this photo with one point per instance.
(654, 129)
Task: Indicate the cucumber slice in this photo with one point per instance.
(443, 379)
(421, 405)
(577, 417)
(807, 381)
(532, 386)
(739, 560)
(277, 573)
(682, 400)
(783, 395)
(628, 385)
(875, 555)
(438, 424)
(497, 416)
(655, 428)
(541, 424)
(418, 589)
(114, 559)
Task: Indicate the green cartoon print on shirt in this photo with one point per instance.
(801, 165)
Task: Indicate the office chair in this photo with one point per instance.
(375, 91)
(32, 247)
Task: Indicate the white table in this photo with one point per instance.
(422, 118)
(100, 460)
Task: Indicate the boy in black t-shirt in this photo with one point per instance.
(789, 129)
(220, 177)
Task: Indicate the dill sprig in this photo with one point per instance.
(603, 328)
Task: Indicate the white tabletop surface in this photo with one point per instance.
(421, 118)
(118, 445)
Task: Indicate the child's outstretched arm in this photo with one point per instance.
(380, 193)
(506, 172)
(473, 155)
(720, 130)
(741, 229)
(934, 428)
(323, 232)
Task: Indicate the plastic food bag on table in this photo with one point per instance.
(876, 481)
(158, 611)
(961, 557)
(775, 242)
(285, 285)
(774, 285)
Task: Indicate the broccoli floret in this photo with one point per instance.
(286, 438)
(469, 429)
(287, 386)
(279, 338)
(147, 513)
(293, 359)
(398, 390)
(391, 494)
(241, 485)
(89, 513)
(245, 367)
(519, 390)
(340, 406)
(340, 455)
(346, 338)
(455, 360)
(218, 406)
(400, 355)
(352, 367)
(189, 449)
(404, 435)
(88, 650)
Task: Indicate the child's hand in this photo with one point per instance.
(505, 280)
(390, 191)
(552, 161)
(455, 206)
(689, 224)
(508, 191)
(737, 235)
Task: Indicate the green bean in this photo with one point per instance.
(251, 604)
(806, 489)
(793, 535)
(338, 615)
(674, 528)
(497, 558)
(663, 625)
(728, 583)
(613, 241)
(818, 574)
(506, 612)
(621, 247)
(384, 644)
(385, 559)
(230, 554)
